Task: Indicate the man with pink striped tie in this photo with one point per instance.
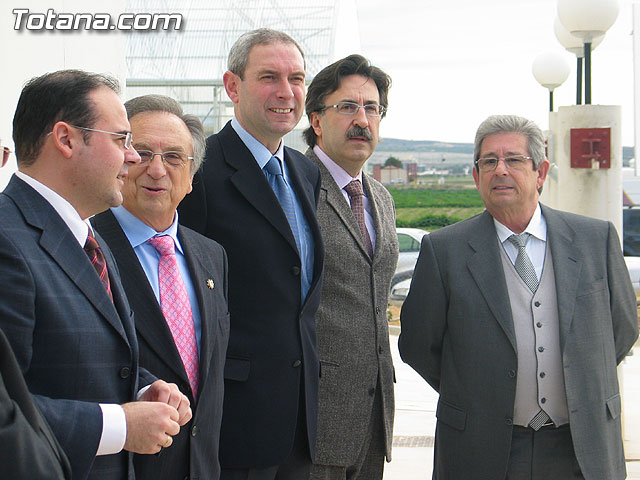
(176, 280)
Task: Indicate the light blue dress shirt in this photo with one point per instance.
(262, 155)
(138, 233)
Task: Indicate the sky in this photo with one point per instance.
(454, 63)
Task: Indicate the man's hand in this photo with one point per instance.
(150, 426)
(163, 392)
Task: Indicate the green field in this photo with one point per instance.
(435, 206)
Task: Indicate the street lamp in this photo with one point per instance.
(588, 19)
(551, 70)
(574, 45)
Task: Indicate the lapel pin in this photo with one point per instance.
(210, 284)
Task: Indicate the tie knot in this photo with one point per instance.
(273, 166)
(519, 240)
(354, 189)
(163, 244)
(91, 243)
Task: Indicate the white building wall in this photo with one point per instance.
(26, 54)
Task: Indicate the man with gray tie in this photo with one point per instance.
(518, 318)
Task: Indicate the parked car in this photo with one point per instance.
(400, 290)
(633, 265)
(409, 240)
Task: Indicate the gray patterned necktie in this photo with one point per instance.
(356, 196)
(525, 269)
(523, 265)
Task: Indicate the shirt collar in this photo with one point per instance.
(339, 174)
(79, 227)
(537, 227)
(257, 149)
(138, 232)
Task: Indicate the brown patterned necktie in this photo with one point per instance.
(94, 253)
(356, 195)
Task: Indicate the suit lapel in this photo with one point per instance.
(567, 263)
(335, 200)
(252, 184)
(58, 241)
(486, 269)
(149, 319)
(200, 274)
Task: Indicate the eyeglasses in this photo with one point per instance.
(512, 162)
(5, 156)
(127, 137)
(351, 108)
(169, 158)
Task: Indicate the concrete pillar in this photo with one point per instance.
(595, 192)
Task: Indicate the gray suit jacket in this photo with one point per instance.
(353, 336)
(457, 332)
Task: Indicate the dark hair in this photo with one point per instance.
(162, 103)
(50, 98)
(328, 81)
(512, 124)
(239, 53)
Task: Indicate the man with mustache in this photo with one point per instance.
(345, 104)
(518, 318)
(257, 198)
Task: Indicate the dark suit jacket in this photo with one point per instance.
(353, 332)
(29, 449)
(272, 345)
(194, 452)
(458, 333)
(75, 347)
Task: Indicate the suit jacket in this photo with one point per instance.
(76, 348)
(353, 333)
(194, 452)
(458, 333)
(29, 449)
(272, 344)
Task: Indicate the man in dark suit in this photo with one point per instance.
(257, 198)
(345, 104)
(171, 147)
(29, 449)
(63, 307)
(518, 318)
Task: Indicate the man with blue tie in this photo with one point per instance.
(257, 198)
(179, 278)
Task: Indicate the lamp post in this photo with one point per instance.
(551, 70)
(574, 45)
(587, 20)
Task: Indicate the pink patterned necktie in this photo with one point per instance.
(356, 195)
(176, 307)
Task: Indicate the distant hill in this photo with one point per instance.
(398, 145)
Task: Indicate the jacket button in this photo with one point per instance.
(541, 349)
(509, 421)
(372, 391)
(295, 271)
(539, 325)
(296, 364)
(512, 373)
(537, 304)
(194, 430)
(125, 372)
(378, 310)
(380, 349)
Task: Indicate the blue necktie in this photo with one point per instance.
(284, 194)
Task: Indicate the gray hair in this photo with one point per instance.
(239, 53)
(512, 124)
(161, 103)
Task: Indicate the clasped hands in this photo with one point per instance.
(155, 418)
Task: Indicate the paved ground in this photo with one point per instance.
(415, 419)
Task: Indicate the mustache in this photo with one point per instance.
(357, 131)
